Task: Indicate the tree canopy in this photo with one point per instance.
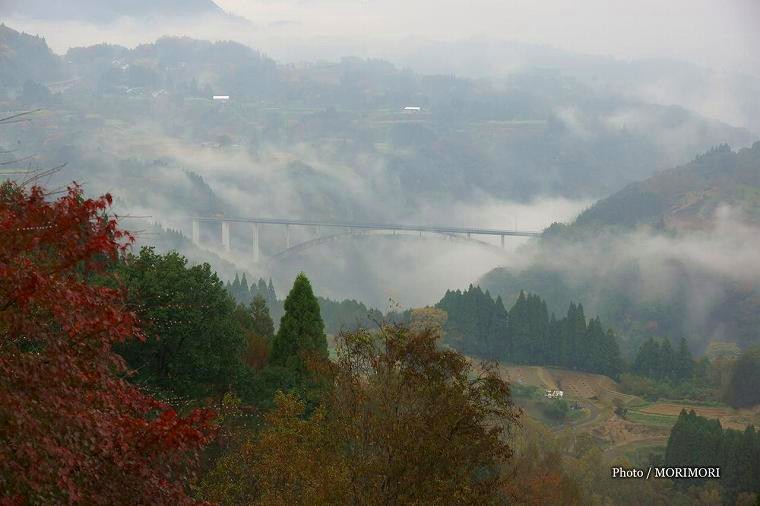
(698, 441)
(404, 422)
(71, 428)
(526, 334)
(194, 346)
(301, 329)
(743, 388)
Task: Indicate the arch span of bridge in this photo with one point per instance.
(350, 230)
(312, 243)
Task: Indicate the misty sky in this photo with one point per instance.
(714, 32)
(721, 34)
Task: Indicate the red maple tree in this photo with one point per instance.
(72, 430)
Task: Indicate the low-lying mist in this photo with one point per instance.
(154, 175)
(415, 270)
(698, 284)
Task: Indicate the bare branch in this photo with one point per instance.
(7, 119)
(17, 160)
(42, 174)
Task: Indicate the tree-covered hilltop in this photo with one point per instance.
(526, 334)
(685, 197)
(25, 57)
(666, 256)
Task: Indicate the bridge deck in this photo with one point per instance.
(442, 229)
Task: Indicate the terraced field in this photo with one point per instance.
(646, 424)
(730, 418)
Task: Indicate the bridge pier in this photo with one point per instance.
(226, 237)
(196, 232)
(287, 236)
(502, 241)
(256, 229)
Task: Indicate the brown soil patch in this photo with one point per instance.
(617, 431)
(529, 375)
(576, 384)
(663, 408)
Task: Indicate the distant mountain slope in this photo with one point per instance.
(658, 258)
(685, 197)
(24, 56)
(105, 10)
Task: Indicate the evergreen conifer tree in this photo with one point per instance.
(261, 289)
(271, 294)
(667, 360)
(302, 330)
(684, 361)
(262, 324)
(519, 330)
(245, 294)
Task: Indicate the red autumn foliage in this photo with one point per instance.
(71, 429)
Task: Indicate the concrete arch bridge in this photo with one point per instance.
(323, 232)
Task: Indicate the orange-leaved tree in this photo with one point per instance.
(71, 428)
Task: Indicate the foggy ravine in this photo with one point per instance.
(693, 269)
(313, 180)
(412, 271)
(415, 271)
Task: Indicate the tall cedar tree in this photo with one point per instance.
(71, 428)
(302, 331)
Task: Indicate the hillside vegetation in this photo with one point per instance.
(685, 197)
(668, 256)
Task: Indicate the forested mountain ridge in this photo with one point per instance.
(671, 255)
(541, 133)
(685, 197)
(24, 56)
